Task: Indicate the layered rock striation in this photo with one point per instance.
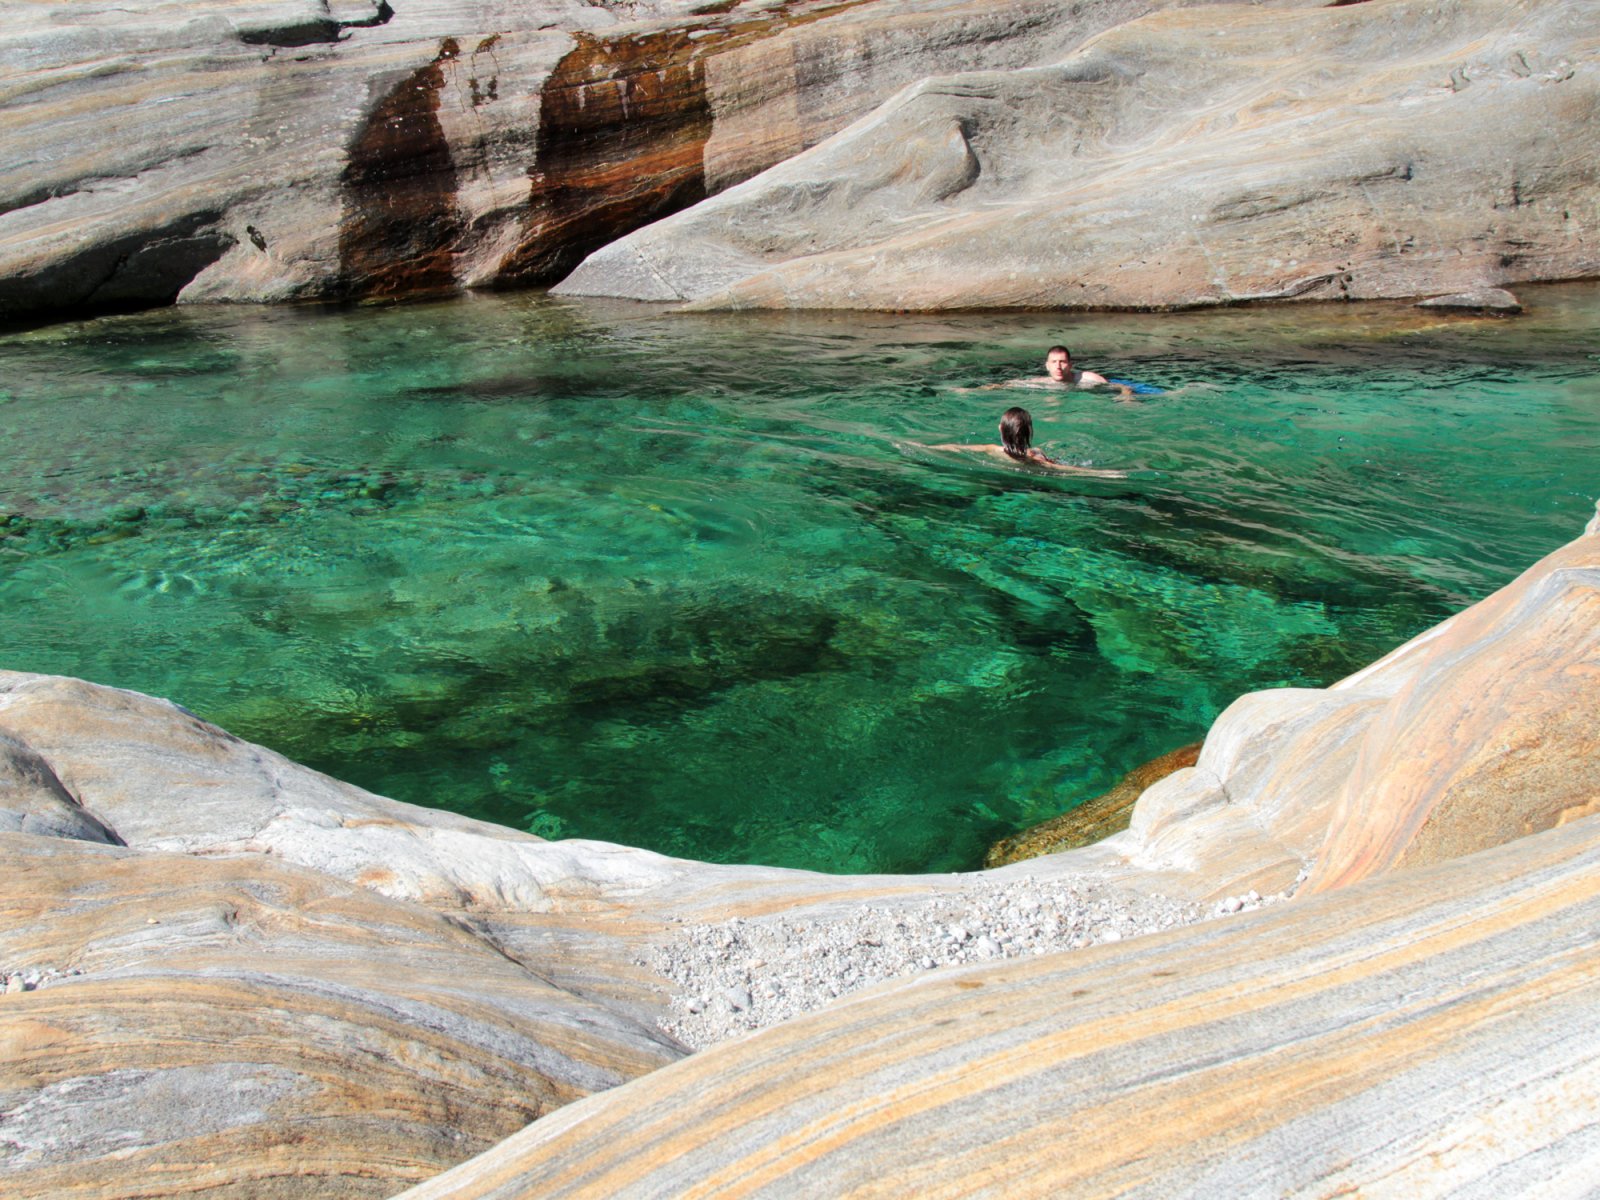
(250, 979)
(1476, 733)
(1392, 148)
(279, 150)
(1425, 1035)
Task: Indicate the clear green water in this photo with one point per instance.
(684, 583)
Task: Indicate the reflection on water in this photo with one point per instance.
(693, 584)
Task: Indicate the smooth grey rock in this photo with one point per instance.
(1395, 148)
(277, 150)
(1492, 301)
(32, 799)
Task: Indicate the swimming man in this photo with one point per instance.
(1058, 370)
(1060, 373)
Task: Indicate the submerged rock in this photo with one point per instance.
(1094, 819)
(1491, 301)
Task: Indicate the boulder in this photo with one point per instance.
(159, 778)
(254, 1029)
(1473, 734)
(1394, 148)
(1489, 736)
(276, 150)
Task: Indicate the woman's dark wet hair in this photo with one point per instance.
(1016, 432)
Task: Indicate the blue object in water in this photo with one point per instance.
(1138, 389)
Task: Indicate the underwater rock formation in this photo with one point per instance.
(1393, 148)
(1095, 819)
(260, 981)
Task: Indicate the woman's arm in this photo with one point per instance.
(1045, 460)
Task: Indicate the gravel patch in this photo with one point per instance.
(30, 978)
(744, 974)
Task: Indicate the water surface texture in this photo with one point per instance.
(691, 583)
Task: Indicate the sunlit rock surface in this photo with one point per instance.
(1475, 733)
(277, 984)
(300, 149)
(231, 1028)
(1392, 148)
(1428, 1034)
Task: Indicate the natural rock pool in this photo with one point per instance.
(688, 583)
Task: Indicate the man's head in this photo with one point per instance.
(1058, 363)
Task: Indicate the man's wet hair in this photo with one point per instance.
(1016, 432)
(1062, 349)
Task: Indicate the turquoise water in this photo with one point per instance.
(691, 584)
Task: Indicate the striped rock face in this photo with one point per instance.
(1476, 733)
(303, 149)
(1491, 733)
(1392, 148)
(208, 1026)
(1427, 1034)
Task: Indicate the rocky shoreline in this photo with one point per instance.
(913, 155)
(741, 975)
(223, 974)
(367, 995)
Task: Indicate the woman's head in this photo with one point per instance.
(1016, 432)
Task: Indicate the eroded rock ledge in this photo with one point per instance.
(1036, 153)
(253, 980)
(1394, 148)
(277, 150)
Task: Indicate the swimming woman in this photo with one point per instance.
(1016, 444)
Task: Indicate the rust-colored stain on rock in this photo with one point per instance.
(622, 131)
(401, 223)
(623, 127)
